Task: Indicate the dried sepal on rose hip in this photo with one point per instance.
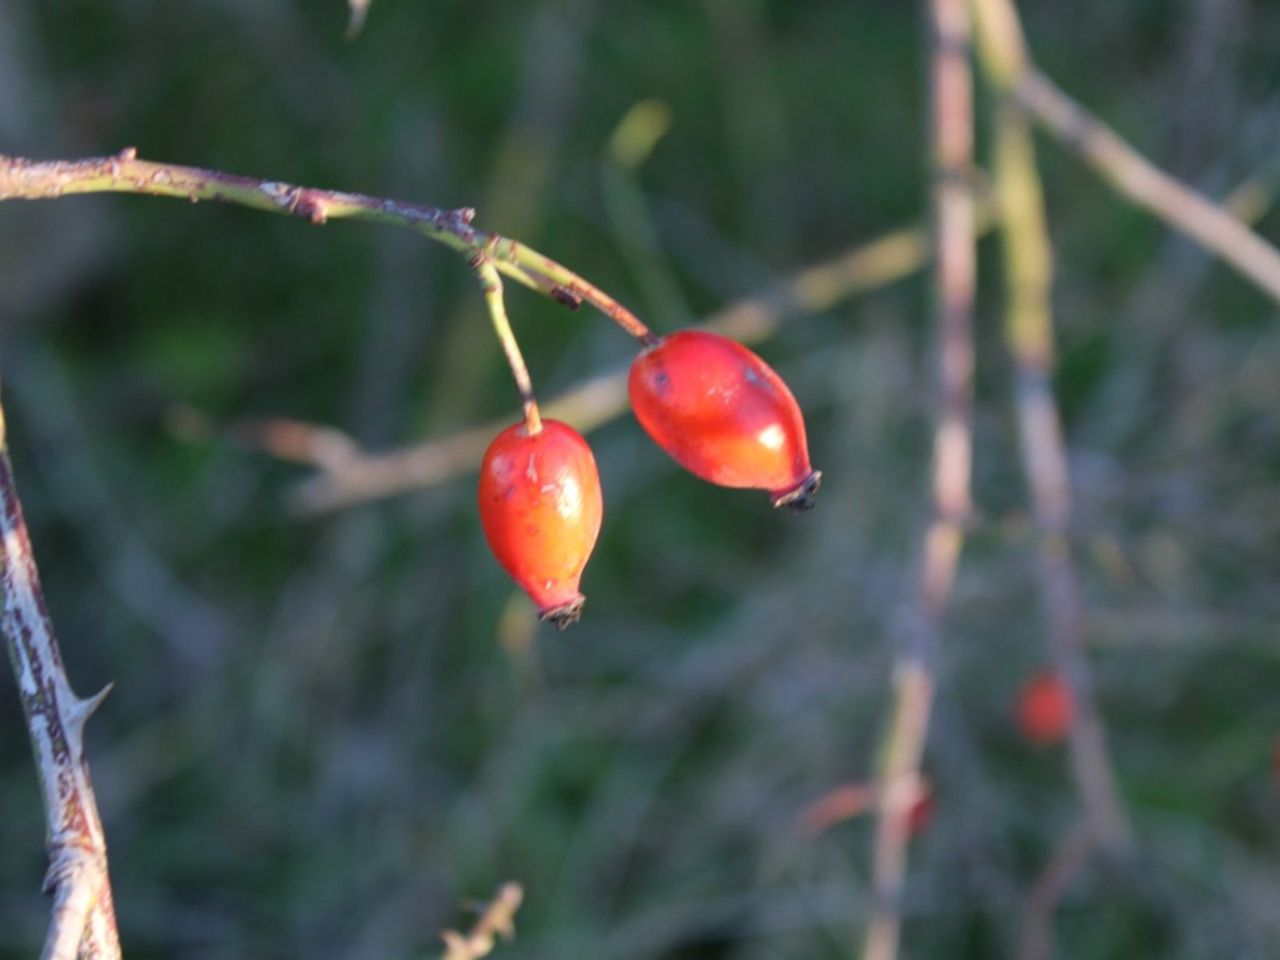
(724, 415)
(541, 508)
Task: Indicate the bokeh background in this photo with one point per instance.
(327, 732)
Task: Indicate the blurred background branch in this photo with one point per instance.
(915, 669)
(1141, 182)
(497, 920)
(1028, 328)
(1077, 845)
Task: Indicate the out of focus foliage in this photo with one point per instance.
(327, 732)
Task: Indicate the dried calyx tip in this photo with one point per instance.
(803, 497)
(565, 614)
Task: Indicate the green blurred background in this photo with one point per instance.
(327, 732)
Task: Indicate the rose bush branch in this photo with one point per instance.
(1029, 334)
(24, 179)
(1035, 940)
(951, 142)
(1137, 179)
(83, 920)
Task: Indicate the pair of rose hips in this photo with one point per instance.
(718, 409)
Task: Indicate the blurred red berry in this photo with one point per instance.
(724, 415)
(921, 814)
(541, 508)
(1045, 708)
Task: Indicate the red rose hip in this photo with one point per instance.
(724, 415)
(541, 508)
(1045, 708)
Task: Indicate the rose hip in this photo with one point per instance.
(541, 508)
(724, 415)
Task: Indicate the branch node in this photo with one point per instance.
(566, 296)
(312, 208)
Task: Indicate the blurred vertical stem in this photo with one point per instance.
(1028, 330)
(951, 145)
(83, 921)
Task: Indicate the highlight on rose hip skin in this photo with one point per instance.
(541, 509)
(724, 415)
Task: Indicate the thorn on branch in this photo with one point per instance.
(78, 711)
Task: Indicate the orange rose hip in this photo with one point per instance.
(541, 508)
(723, 414)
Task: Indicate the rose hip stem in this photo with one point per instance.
(491, 287)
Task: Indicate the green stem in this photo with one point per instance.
(491, 286)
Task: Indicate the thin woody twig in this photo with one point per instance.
(852, 800)
(1029, 335)
(498, 919)
(83, 915)
(23, 179)
(292, 441)
(1140, 181)
(951, 130)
